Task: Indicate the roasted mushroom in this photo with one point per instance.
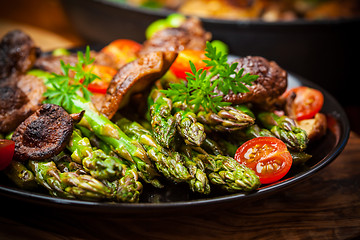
(17, 53)
(135, 77)
(44, 134)
(190, 35)
(20, 96)
(272, 82)
(314, 127)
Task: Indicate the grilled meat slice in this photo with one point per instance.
(43, 134)
(17, 53)
(135, 77)
(272, 81)
(20, 96)
(190, 35)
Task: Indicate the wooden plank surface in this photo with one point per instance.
(326, 206)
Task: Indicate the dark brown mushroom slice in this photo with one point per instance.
(272, 81)
(17, 53)
(20, 96)
(190, 35)
(134, 77)
(43, 134)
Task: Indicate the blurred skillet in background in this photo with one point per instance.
(325, 51)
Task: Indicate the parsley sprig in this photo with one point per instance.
(199, 91)
(65, 86)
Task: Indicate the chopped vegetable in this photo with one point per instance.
(181, 65)
(105, 74)
(122, 50)
(7, 148)
(307, 103)
(267, 156)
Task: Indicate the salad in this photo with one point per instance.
(107, 125)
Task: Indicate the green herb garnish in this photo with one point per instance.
(65, 86)
(200, 87)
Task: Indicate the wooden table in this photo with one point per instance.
(326, 206)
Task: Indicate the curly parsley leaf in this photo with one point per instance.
(65, 86)
(199, 90)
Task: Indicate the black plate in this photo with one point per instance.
(178, 199)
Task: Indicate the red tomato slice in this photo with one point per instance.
(123, 50)
(7, 148)
(307, 103)
(181, 64)
(106, 74)
(267, 156)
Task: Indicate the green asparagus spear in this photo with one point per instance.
(107, 131)
(124, 189)
(228, 173)
(174, 165)
(19, 174)
(189, 128)
(227, 119)
(285, 129)
(68, 184)
(95, 162)
(166, 162)
(162, 122)
(212, 147)
(199, 181)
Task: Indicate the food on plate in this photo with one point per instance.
(110, 124)
(43, 134)
(6, 152)
(266, 10)
(267, 156)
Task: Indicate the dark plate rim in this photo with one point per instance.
(336, 111)
(162, 13)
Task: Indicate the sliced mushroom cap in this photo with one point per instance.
(43, 134)
(271, 83)
(134, 77)
(20, 96)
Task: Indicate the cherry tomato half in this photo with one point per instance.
(307, 103)
(123, 50)
(267, 156)
(181, 64)
(106, 74)
(7, 148)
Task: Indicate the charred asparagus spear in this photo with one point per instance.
(173, 165)
(95, 162)
(19, 174)
(227, 119)
(285, 129)
(227, 173)
(189, 128)
(124, 189)
(68, 184)
(162, 122)
(169, 164)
